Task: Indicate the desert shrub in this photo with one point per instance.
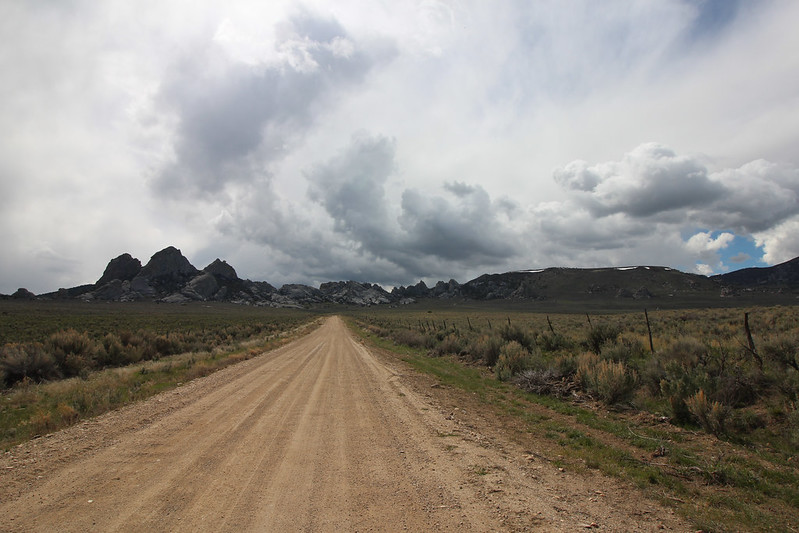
(126, 348)
(601, 335)
(792, 428)
(487, 348)
(676, 399)
(783, 350)
(674, 373)
(444, 332)
(585, 364)
(111, 351)
(41, 422)
(73, 352)
(746, 420)
(614, 382)
(31, 361)
(167, 345)
(737, 386)
(566, 365)
(411, 338)
(787, 384)
(67, 413)
(377, 330)
(686, 351)
(450, 344)
(711, 415)
(516, 333)
(134, 353)
(611, 382)
(726, 375)
(149, 349)
(678, 384)
(625, 351)
(128, 338)
(513, 359)
(554, 342)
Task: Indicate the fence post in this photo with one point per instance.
(550, 325)
(751, 341)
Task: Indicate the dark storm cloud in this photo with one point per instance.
(363, 234)
(233, 118)
(428, 229)
(350, 187)
(466, 228)
(758, 196)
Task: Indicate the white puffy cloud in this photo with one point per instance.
(706, 249)
(648, 181)
(653, 185)
(781, 242)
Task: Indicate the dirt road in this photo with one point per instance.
(319, 435)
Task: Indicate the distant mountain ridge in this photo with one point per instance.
(784, 275)
(170, 277)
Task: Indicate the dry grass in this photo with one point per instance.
(29, 409)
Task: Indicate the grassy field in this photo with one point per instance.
(22, 321)
(704, 418)
(63, 362)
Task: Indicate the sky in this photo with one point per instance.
(393, 142)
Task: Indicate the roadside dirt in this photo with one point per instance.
(319, 435)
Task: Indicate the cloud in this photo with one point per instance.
(463, 224)
(652, 183)
(781, 242)
(353, 228)
(757, 196)
(233, 118)
(648, 181)
(350, 187)
(706, 249)
(652, 192)
(468, 227)
(230, 129)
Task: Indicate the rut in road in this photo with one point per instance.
(319, 435)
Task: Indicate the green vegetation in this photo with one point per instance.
(707, 421)
(88, 359)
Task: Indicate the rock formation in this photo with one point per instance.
(123, 268)
(23, 294)
(221, 269)
(170, 277)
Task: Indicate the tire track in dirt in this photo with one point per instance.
(318, 435)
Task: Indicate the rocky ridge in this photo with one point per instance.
(169, 277)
